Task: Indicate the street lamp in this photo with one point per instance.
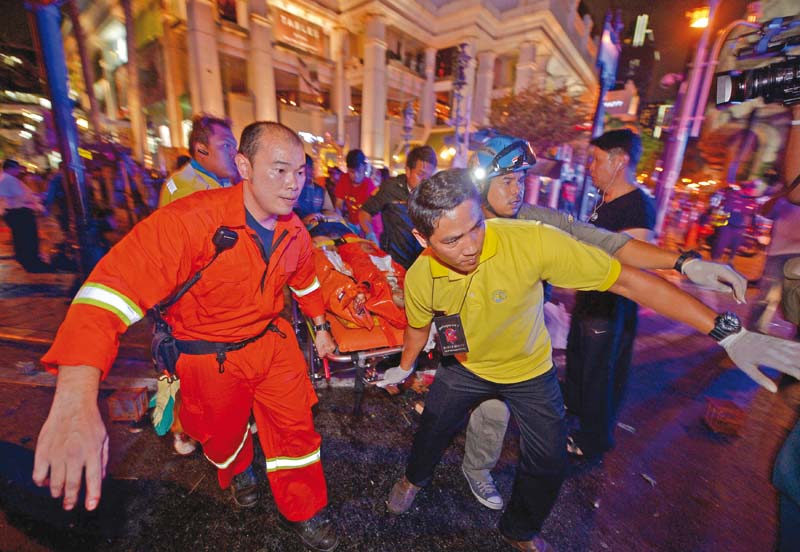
(457, 120)
(676, 145)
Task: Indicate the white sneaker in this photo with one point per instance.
(183, 444)
(485, 491)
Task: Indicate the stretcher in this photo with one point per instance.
(363, 292)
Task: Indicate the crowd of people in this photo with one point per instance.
(211, 262)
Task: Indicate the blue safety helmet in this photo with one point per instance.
(498, 155)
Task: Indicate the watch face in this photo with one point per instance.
(730, 323)
(725, 324)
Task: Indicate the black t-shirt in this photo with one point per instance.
(636, 209)
(391, 201)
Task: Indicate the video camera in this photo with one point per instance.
(774, 83)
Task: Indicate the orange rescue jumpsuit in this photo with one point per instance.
(235, 299)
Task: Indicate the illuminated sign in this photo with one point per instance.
(299, 33)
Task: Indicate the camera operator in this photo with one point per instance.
(786, 474)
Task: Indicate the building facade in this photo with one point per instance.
(341, 72)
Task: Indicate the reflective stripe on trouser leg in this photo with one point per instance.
(215, 410)
(285, 463)
(282, 408)
(228, 461)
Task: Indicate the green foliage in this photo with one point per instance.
(546, 118)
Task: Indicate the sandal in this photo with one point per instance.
(573, 448)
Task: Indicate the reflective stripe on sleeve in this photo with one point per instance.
(284, 463)
(303, 292)
(109, 299)
(232, 457)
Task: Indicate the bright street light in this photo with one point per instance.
(698, 18)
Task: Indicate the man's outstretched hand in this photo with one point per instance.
(717, 277)
(748, 350)
(73, 439)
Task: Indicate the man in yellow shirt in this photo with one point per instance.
(481, 283)
(213, 150)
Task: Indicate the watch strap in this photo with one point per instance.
(725, 324)
(324, 327)
(685, 256)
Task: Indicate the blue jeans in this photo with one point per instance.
(786, 477)
(539, 410)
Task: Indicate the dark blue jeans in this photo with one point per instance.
(786, 477)
(538, 409)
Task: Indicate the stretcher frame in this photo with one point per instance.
(363, 361)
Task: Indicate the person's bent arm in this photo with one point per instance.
(791, 164)
(365, 221)
(327, 204)
(73, 439)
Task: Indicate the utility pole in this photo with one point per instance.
(676, 144)
(47, 14)
(607, 58)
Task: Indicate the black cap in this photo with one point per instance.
(355, 158)
(624, 139)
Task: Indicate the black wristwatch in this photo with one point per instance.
(685, 256)
(725, 324)
(324, 327)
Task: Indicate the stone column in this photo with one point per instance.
(205, 80)
(172, 73)
(260, 73)
(484, 84)
(526, 67)
(373, 93)
(428, 100)
(340, 93)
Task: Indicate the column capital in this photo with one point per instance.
(375, 26)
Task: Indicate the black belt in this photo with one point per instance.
(220, 348)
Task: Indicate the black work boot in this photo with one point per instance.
(244, 488)
(318, 533)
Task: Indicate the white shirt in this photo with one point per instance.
(14, 194)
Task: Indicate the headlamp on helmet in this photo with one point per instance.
(501, 155)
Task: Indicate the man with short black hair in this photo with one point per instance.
(480, 282)
(212, 147)
(236, 354)
(354, 187)
(603, 325)
(390, 201)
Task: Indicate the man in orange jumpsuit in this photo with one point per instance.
(237, 299)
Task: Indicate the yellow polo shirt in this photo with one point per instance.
(502, 298)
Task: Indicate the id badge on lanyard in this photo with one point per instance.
(450, 330)
(450, 334)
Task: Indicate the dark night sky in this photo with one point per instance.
(674, 38)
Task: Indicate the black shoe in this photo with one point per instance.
(318, 533)
(244, 488)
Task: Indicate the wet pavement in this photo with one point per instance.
(671, 483)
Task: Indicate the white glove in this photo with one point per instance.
(394, 376)
(717, 277)
(748, 350)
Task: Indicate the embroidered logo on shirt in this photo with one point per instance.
(499, 295)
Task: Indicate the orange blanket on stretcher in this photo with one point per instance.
(363, 291)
